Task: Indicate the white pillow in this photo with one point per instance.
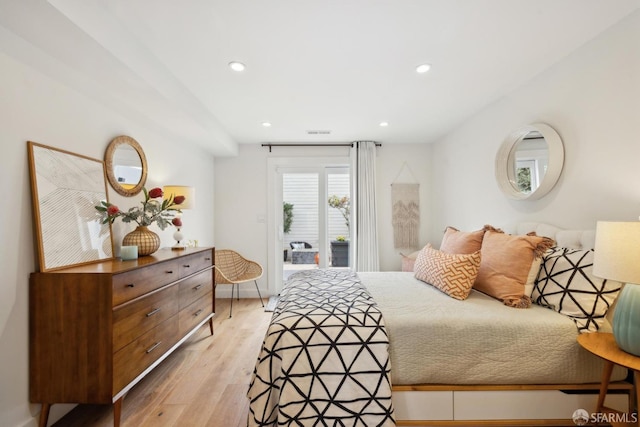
(567, 285)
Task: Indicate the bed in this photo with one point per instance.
(385, 349)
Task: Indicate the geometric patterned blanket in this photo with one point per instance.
(325, 357)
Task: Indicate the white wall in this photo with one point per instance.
(592, 99)
(242, 199)
(34, 107)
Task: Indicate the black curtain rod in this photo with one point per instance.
(346, 144)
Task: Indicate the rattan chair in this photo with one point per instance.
(233, 269)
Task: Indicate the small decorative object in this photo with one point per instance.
(128, 252)
(178, 236)
(616, 256)
(152, 211)
(189, 202)
(144, 239)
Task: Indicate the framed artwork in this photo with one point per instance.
(65, 188)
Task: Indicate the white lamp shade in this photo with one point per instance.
(181, 190)
(617, 251)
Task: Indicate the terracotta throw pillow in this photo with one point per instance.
(453, 274)
(506, 265)
(455, 241)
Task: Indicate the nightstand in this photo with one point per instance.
(604, 346)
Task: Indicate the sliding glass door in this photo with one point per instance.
(309, 231)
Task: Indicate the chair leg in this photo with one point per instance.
(233, 286)
(258, 289)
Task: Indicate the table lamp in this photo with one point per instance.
(617, 257)
(189, 194)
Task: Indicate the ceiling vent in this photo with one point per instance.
(318, 132)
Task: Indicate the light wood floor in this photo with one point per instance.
(203, 383)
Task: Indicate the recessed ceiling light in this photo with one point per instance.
(384, 124)
(236, 66)
(266, 124)
(423, 68)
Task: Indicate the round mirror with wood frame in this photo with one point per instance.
(126, 165)
(529, 162)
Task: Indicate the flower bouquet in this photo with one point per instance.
(152, 211)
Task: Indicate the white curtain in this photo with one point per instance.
(365, 228)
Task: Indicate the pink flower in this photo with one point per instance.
(177, 222)
(112, 210)
(178, 200)
(154, 193)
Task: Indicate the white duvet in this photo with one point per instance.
(436, 339)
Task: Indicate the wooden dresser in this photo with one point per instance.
(97, 329)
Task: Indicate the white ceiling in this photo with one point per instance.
(338, 65)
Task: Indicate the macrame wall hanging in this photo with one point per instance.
(405, 202)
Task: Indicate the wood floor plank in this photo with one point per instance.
(203, 383)
(232, 408)
(164, 416)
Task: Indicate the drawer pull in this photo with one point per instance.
(207, 259)
(130, 285)
(197, 313)
(169, 271)
(153, 347)
(195, 288)
(186, 266)
(152, 312)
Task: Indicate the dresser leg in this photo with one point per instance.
(211, 325)
(117, 412)
(44, 414)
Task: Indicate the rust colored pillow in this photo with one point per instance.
(455, 241)
(506, 264)
(453, 274)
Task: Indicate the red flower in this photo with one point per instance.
(154, 193)
(112, 210)
(178, 200)
(177, 222)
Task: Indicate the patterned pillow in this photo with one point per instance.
(566, 284)
(452, 274)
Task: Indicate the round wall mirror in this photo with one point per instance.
(126, 165)
(529, 162)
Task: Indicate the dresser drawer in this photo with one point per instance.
(195, 287)
(132, 284)
(193, 314)
(132, 320)
(132, 360)
(193, 263)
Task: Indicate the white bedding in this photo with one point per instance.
(436, 339)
